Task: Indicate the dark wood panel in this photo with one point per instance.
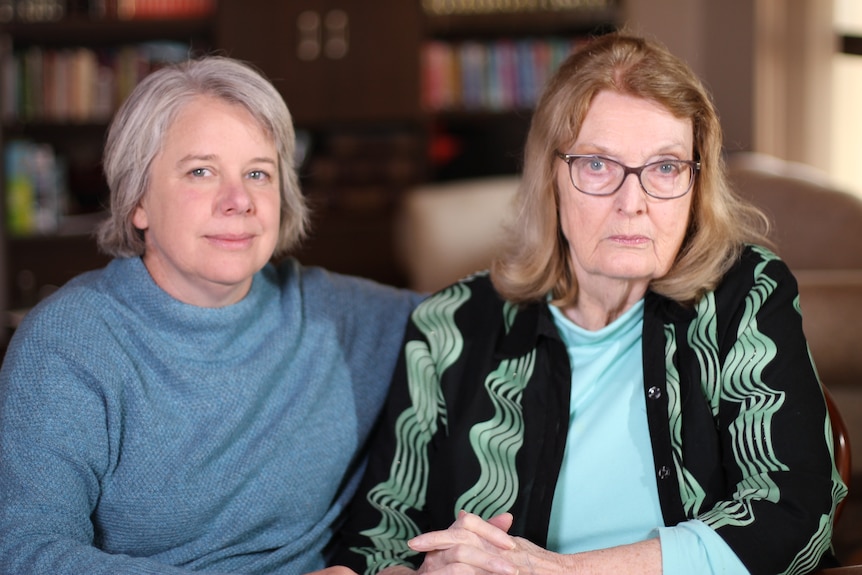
(39, 264)
(851, 45)
(584, 21)
(377, 79)
(94, 32)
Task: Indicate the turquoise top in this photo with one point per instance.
(607, 493)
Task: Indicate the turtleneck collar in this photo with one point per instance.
(199, 332)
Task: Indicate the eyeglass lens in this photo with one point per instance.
(603, 176)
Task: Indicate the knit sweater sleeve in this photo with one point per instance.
(55, 447)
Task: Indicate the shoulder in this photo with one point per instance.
(756, 276)
(322, 291)
(70, 309)
(757, 263)
(478, 310)
(66, 337)
(472, 295)
(757, 271)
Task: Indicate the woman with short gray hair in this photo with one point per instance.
(193, 406)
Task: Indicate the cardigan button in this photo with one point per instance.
(654, 392)
(663, 472)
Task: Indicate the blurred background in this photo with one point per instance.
(395, 97)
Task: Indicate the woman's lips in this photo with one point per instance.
(627, 240)
(231, 241)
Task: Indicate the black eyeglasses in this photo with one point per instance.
(600, 176)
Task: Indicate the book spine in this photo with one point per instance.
(498, 75)
(165, 9)
(469, 7)
(35, 188)
(9, 81)
(76, 84)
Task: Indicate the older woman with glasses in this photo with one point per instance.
(629, 389)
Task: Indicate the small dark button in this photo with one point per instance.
(654, 392)
(664, 472)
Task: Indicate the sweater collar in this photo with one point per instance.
(197, 331)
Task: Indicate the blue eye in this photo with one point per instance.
(668, 168)
(200, 172)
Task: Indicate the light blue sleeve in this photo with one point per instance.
(692, 547)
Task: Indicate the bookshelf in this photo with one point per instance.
(66, 66)
(483, 65)
(356, 78)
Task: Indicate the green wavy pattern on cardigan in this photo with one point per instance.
(407, 484)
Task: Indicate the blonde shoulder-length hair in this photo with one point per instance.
(535, 260)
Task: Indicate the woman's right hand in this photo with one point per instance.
(470, 542)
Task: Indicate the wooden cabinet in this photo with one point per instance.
(335, 61)
(349, 72)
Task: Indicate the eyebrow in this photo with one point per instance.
(602, 150)
(209, 157)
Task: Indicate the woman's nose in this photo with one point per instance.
(235, 199)
(631, 197)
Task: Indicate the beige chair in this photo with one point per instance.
(446, 231)
(816, 225)
(818, 232)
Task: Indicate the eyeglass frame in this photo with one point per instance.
(638, 171)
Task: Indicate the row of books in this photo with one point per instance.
(76, 85)
(457, 7)
(36, 194)
(153, 9)
(496, 75)
(54, 10)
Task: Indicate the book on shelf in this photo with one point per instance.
(33, 10)
(36, 195)
(467, 7)
(496, 75)
(164, 9)
(56, 10)
(77, 84)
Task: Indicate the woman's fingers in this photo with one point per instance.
(470, 546)
(464, 531)
(502, 521)
(465, 560)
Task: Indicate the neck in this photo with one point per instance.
(597, 306)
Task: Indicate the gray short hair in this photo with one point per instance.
(139, 127)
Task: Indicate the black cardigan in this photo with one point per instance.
(477, 419)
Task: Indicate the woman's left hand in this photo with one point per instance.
(473, 546)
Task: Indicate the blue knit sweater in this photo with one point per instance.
(139, 433)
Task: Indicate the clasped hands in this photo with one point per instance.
(474, 546)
